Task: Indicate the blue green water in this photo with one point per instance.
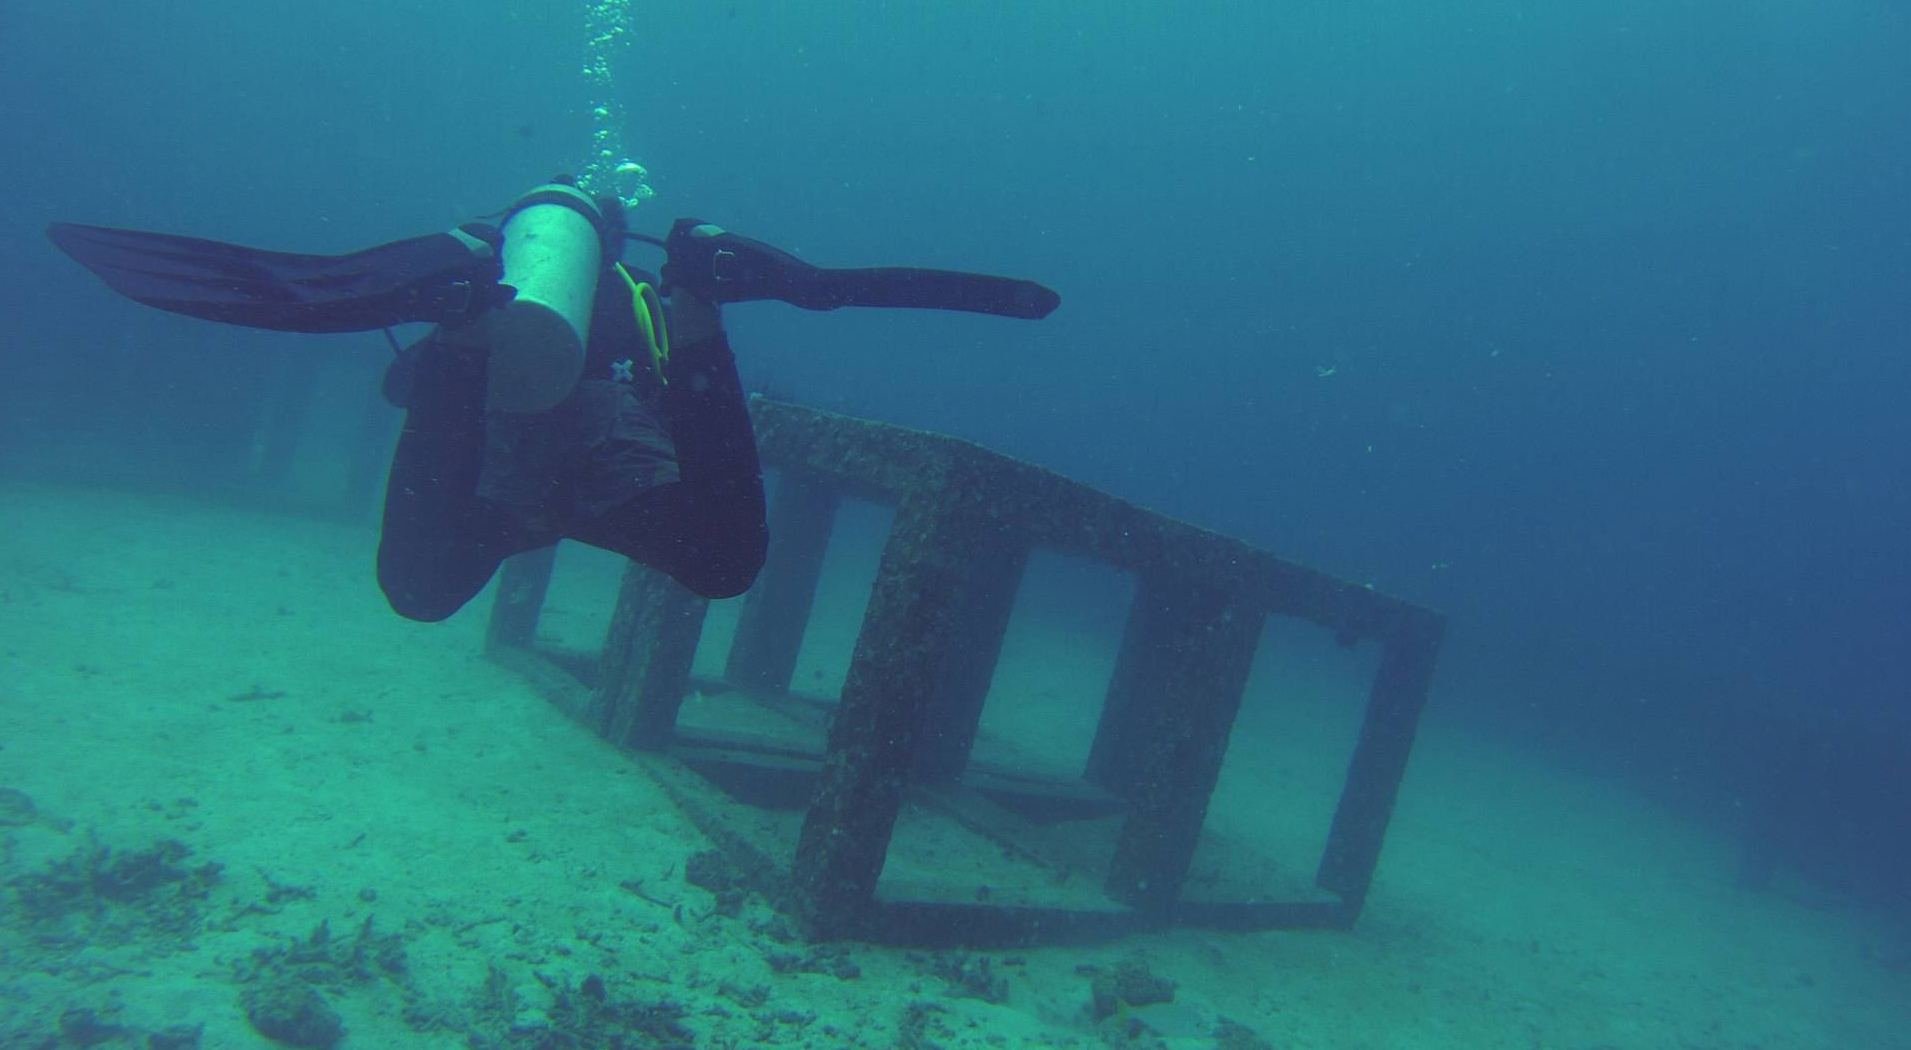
(1585, 324)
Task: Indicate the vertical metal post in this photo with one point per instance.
(648, 651)
(522, 583)
(1177, 687)
(370, 453)
(776, 611)
(953, 714)
(908, 636)
(1394, 704)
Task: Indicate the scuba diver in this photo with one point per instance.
(561, 394)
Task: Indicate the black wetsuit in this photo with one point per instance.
(665, 474)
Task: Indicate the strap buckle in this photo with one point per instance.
(458, 300)
(716, 264)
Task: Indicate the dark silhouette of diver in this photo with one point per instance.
(562, 394)
(659, 466)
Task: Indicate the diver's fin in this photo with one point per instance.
(443, 278)
(934, 290)
(725, 268)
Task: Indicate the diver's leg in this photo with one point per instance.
(440, 543)
(707, 528)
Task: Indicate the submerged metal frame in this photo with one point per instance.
(965, 522)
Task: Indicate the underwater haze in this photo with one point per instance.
(1583, 324)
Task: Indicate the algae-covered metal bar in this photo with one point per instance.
(909, 638)
(776, 611)
(953, 714)
(966, 521)
(522, 583)
(644, 671)
(1178, 680)
(1398, 694)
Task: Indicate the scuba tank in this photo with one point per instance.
(553, 252)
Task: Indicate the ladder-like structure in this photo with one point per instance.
(965, 522)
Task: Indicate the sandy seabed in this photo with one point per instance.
(235, 791)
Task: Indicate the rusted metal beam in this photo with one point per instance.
(776, 611)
